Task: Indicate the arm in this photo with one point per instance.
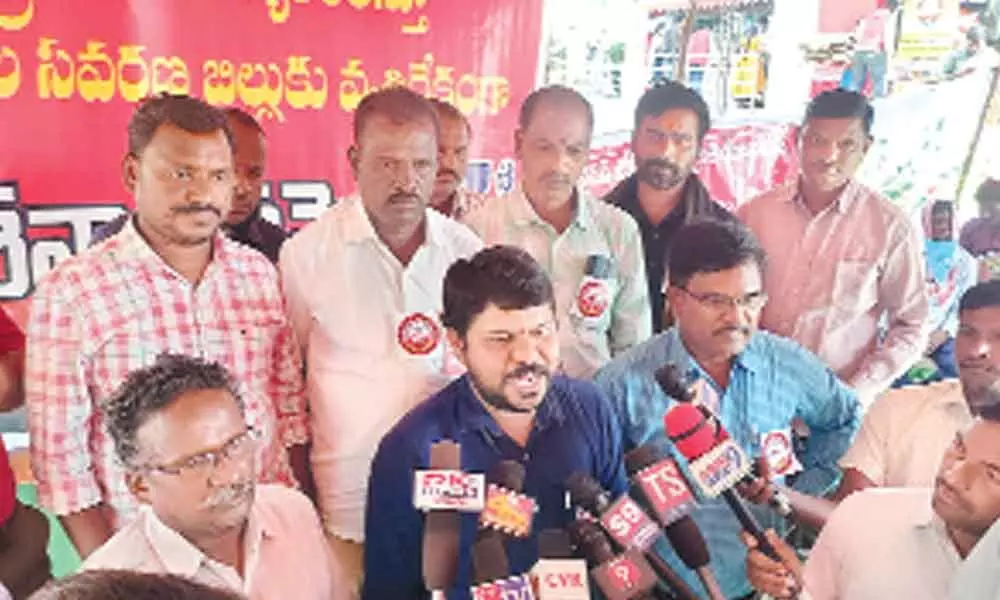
(393, 528)
(288, 394)
(631, 322)
(296, 305)
(866, 462)
(60, 411)
(608, 448)
(903, 296)
(11, 364)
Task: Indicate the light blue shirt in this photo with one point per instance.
(772, 382)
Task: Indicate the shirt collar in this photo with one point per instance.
(845, 200)
(471, 415)
(750, 359)
(524, 214)
(132, 246)
(359, 229)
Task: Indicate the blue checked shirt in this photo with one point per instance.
(773, 381)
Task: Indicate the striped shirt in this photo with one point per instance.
(592, 329)
(114, 309)
(772, 382)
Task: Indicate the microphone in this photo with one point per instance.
(695, 438)
(440, 552)
(506, 509)
(624, 577)
(558, 575)
(662, 487)
(628, 525)
(491, 573)
(716, 462)
(594, 296)
(448, 488)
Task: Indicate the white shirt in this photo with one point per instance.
(591, 330)
(979, 575)
(879, 544)
(372, 340)
(906, 432)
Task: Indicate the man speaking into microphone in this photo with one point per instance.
(755, 382)
(499, 311)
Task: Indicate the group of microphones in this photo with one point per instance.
(611, 542)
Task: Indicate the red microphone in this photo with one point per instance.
(623, 577)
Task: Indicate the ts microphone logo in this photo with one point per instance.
(513, 588)
(449, 490)
(666, 490)
(629, 525)
(720, 468)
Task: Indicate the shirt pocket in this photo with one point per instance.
(855, 287)
(246, 347)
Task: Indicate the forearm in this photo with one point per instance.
(88, 529)
(809, 510)
(298, 459)
(11, 381)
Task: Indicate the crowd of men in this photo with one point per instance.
(207, 399)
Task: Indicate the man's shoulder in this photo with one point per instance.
(324, 225)
(642, 359)
(458, 237)
(613, 218)
(622, 192)
(284, 505)
(129, 548)
(247, 260)
(783, 350)
(886, 505)
(906, 404)
(430, 420)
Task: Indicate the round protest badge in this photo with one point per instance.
(593, 298)
(776, 446)
(418, 334)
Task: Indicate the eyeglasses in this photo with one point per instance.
(203, 465)
(722, 302)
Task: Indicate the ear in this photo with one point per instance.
(518, 143)
(869, 140)
(130, 172)
(138, 484)
(674, 297)
(457, 344)
(352, 159)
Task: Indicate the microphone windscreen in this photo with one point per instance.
(644, 456)
(591, 541)
(554, 543)
(689, 429)
(508, 474)
(584, 491)
(673, 384)
(688, 542)
(489, 560)
(446, 454)
(441, 549)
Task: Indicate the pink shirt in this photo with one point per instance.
(833, 276)
(285, 550)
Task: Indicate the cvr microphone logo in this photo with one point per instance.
(437, 489)
(666, 490)
(629, 525)
(560, 579)
(720, 468)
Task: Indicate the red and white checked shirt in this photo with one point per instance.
(114, 309)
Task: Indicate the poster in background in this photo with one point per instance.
(71, 74)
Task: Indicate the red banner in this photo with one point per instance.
(71, 72)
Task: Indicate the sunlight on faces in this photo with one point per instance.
(183, 184)
(717, 312)
(249, 157)
(666, 148)
(832, 151)
(395, 164)
(977, 352)
(967, 489)
(453, 159)
(510, 354)
(553, 150)
(187, 493)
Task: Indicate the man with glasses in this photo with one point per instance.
(180, 430)
(755, 382)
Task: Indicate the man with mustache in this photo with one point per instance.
(664, 193)
(169, 282)
(756, 382)
(499, 308)
(843, 258)
(363, 289)
(450, 197)
(898, 543)
(243, 223)
(179, 427)
(591, 250)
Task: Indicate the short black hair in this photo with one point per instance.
(120, 584)
(988, 191)
(842, 104)
(147, 391)
(243, 117)
(447, 110)
(553, 92)
(505, 276)
(398, 104)
(981, 295)
(671, 95)
(710, 246)
(183, 112)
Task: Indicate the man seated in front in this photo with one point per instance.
(179, 428)
(756, 382)
(499, 311)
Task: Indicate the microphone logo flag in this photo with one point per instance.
(629, 525)
(720, 468)
(625, 576)
(513, 588)
(777, 449)
(437, 489)
(560, 579)
(666, 490)
(507, 511)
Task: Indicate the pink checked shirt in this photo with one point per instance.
(833, 276)
(114, 309)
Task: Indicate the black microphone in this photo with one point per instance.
(623, 577)
(659, 485)
(628, 525)
(491, 572)
(441, 541)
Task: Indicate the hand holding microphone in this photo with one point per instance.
(781, 579)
